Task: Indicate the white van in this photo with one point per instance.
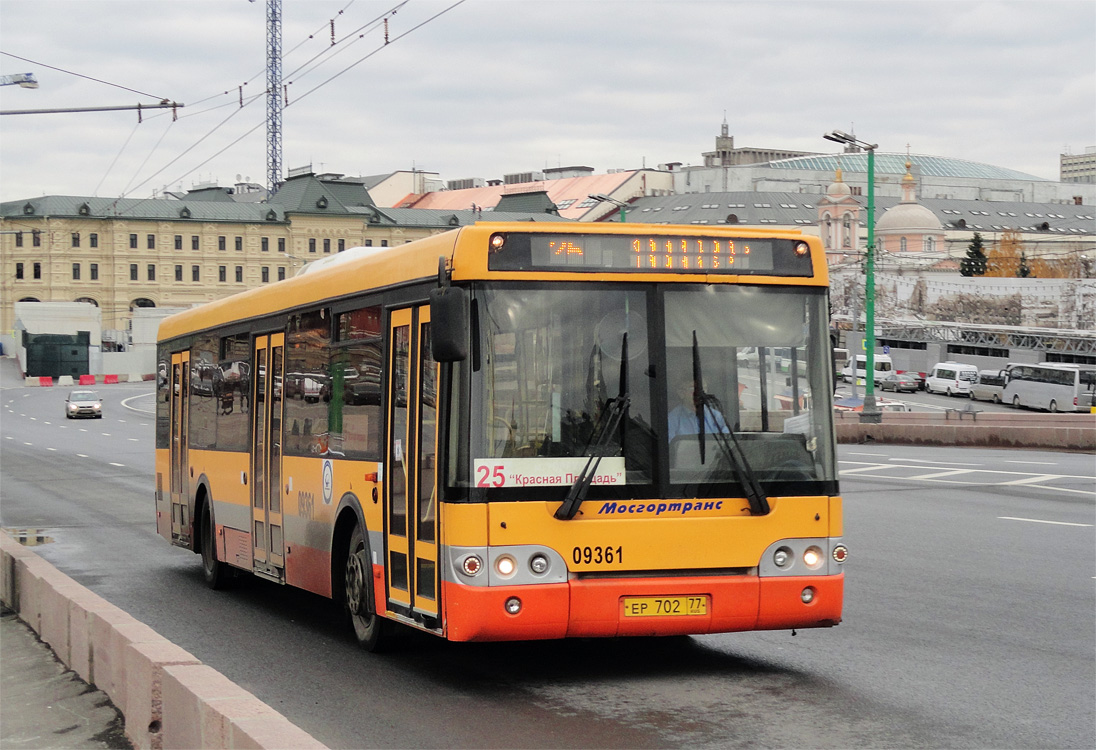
(883, 367)
(952, 378)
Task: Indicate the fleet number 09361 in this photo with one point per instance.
(597, 555)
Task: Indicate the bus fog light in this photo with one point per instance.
(538, 564)
(840, 553)
(513, 605)
(813, 558)
(505, 566)
(471, 565)
(782, 558)
(807, 595)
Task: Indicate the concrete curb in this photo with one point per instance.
(168, 697)
(961, 428)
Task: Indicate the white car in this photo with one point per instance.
(83, 404)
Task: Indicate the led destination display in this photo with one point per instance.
(649, 253)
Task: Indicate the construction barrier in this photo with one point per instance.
(87, 380)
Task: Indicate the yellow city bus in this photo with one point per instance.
(519, 431)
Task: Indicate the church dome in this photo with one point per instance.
(909, 217)
(838, 189)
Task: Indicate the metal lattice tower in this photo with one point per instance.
(274, 95)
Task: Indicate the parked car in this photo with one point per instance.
(899, 382)
(83, 404)
(988, 386)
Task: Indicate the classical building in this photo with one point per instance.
(909, 227)
(1078, 167)
(124, 254)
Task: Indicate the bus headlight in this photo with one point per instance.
(782, 558)
(538, 564)
(505, 566)
(813, 557)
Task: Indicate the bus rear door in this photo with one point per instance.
(266, 456)
(410, 489)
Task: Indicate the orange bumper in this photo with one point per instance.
(596, 608)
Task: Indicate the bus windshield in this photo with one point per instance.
(548, 365)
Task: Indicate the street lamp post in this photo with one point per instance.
(602, 198)
(870, 412)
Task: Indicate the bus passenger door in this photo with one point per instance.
(180, 482)
(266, 456)
(410, 489)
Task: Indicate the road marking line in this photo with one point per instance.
(81, 455)
(134, 440)
(1033, 463)
(105, 434)
(930, 461)
(883, 455)
(1037, 520)
(948, 473)
(51, 449)
(1029, 480)
(8, 437)
(34, 419)
(114, 464)
(28, 443)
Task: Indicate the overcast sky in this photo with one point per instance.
(499, 86)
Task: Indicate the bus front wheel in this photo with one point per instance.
(1015, 402)
(1053, 408)
(370, 630)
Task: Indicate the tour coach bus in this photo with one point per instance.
(518, 431)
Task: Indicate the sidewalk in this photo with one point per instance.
(43, 704)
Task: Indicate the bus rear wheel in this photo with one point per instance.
(1053, 408)
(217, 575)
(371, 631)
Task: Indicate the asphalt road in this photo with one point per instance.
(970, 617)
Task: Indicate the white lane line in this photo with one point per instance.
(114, 464)
(51, 449)
(1038, 520)
(880, 455)
(107, 434)
(1032, 479)
(930, 461)
(81, 455)
(8, 437)
(937, 475)
(1033, 463)
(28, 443)
(34, 419)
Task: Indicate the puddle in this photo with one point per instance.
(29, 537)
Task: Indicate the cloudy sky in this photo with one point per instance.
(491, 87)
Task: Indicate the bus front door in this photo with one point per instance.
(410, 489)
(266, 456)
(179, 481)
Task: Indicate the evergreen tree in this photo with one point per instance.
(975, 262)
(1024, 270)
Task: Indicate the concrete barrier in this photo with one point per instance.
(65, 380)
(169, 699)
(970, 428)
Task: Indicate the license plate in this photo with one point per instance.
(665, 606)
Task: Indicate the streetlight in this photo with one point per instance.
(602, 198)
(870, 412)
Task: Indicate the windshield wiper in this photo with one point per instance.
(727, 441)
(606, 425)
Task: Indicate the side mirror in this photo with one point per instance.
(449, 324)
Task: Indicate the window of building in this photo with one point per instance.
(281, 273)
(76, 239)
(178, 272)
(132, 271)
(239, 274)
(75, 271)
(178, 242)
(93, 239)
(19, 275)
(93, 271)
(195, 273)
(222, 274)
(36, 238)
(327, 245)
(281, 244)
(152, 272)
(37, 271)
(18, 239)
(342, 245)
(151, 242)
(902, 245)
(266, 274)
(195, 243)
(221, 243)
(265, 244)
(369, 243)
(311, 244)
(239, 243)
(133, 242)
(384, 243)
